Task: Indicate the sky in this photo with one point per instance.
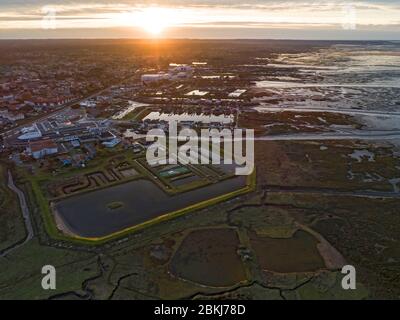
(250, 19)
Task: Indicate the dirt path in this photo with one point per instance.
(25, 214)
(337, 192)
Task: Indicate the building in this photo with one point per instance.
(137, 148)
(75, 143)
(113, 143)
(90, 150)
(180, 71)
(153, 78)
(42, 148)
(79, 160)
(175, 72)
(30, 133)
(11, 116)
(237, 93)
(65, 160)
(178, 68)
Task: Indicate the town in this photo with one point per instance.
(73, 130)
(98, 141)
(79, 119)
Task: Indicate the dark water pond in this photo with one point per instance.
(89, 215)
(296, 254)
(209, 257)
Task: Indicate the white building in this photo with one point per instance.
(180, 71)
(176, 68)
(175, 72)
(156, 77)
(30, 133)
(237, 93)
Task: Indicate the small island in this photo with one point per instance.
(115, 205)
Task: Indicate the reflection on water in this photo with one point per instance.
(88, 215)
(362, 77)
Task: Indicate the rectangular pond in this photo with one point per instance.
(94, 215)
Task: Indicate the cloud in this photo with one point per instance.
(28, 14)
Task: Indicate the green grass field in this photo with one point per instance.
(12, 228)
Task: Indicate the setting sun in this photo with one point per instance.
(153, 20)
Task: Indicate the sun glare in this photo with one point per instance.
(153, 20)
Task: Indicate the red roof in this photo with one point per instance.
(42, 144)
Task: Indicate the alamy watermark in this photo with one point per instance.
(190, 147)
(49, 280)
(345, 11)
(349, 281)
(49, 20)
(349, 17)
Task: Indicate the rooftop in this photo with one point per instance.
(42, 144)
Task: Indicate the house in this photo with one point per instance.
(12, 116)
(40, 149)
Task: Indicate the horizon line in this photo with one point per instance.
(201, 39)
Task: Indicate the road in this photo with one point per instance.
(351, 135)
(25, 213)
(288, 85)
(355, 135)
(336, 192)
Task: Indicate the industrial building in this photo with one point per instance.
(175, 72)
(40, 149)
